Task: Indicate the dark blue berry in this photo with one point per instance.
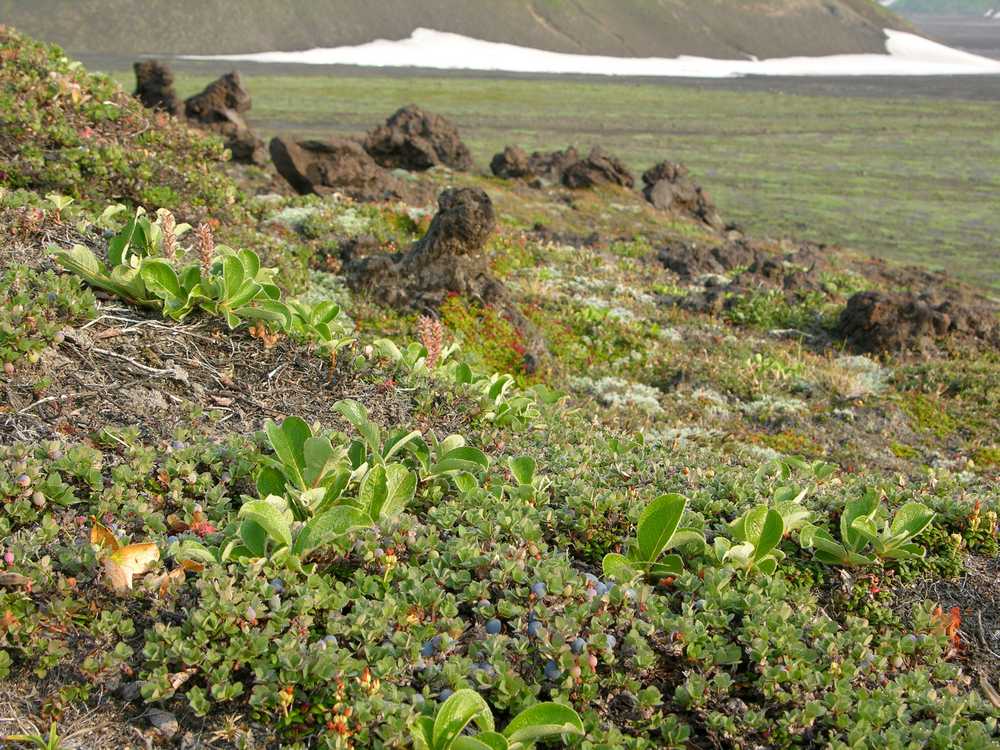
(445, 694)
(612, 642)
(430, 647)
(278, 585)
(552, 671)
(602, 588)
(578, 646)
(493, 626)
(535, 629)
(538, 589)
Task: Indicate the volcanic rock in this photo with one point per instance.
(416, 140)
(154, 86)
(514, 163)
(447, 260)
(599, 168)
(336, 164)
(669, 187)
(876, 321)
(219, 108)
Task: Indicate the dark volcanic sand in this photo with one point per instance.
(973, 88)
(971, 33)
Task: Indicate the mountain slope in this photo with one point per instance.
(963, 7)
(713, 28)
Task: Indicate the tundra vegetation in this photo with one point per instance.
(245, 504)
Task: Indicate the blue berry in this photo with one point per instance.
(538, 589)
(278, 585)
(612, 642)
(535, 629)
(493, 626)
(552, 671)
(171, 540)
(602, 588)
(630, 593)
(591, 578)
(445, 694)
(578, 646)
(330, 640)
(430, 647)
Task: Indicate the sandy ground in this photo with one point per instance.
(980, 36)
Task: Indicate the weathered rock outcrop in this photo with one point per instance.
(447, 260)
(875, 321)
(514, 163)
(599, 168)
(154, 86)
(336, 164)
(416, 140)
(220, 108)
(669, 187)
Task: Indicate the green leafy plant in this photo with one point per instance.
(446, 730)
(756, 534)
(658, 531)
(861, 537)
(51, 742)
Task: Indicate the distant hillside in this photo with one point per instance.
(663, 28)
(959, 7)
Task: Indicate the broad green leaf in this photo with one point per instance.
(387, 349)
(463, 707)
(686, 536)
(397, 441)
(793, 514)
(463, 374)
(423, 735)
(465, 458)
(523, 469)
(482, 741)
(465, 482)
(232, 276)
(767, 566)
(288, 441)
(542, 720)
(270, 481)
(161, 279)
(770, 535)
(911, 519)
(254, 537)
(669, 565)
(373, 491)
(357, 415)
(401, 485)
(325, 527)
(753, 524)
(267, 515)
(191, 549)
(658, 523)
(318, 456)
(619, 567)
(741, 553)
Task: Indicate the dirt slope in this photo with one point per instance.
(715, 28)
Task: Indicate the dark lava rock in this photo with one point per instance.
(875, 321)
(690, 260)
(416, 141)
(669, 187)
(511, 164)
(221, 95)
(599, 168)
(336, 164)
(219, 108)
(514, 163)
(154, 86)
(446, 261)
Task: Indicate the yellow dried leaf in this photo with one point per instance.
(126, 563)
(191, 566)
(164, 581)
(101, 536)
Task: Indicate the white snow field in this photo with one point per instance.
(906, 55)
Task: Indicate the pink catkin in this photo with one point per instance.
(431, 334)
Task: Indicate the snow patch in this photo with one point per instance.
(906, 54)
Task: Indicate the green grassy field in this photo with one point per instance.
(907, 179)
